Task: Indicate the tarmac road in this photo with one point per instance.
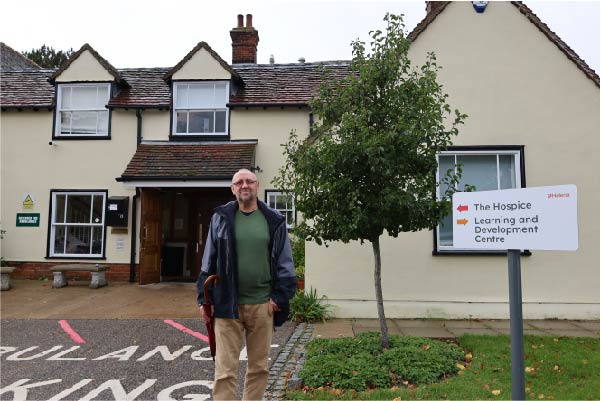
(136, 359)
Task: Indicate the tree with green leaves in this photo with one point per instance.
(47, 57)
(369, 165)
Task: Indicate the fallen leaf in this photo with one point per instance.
(560, 382)
(496, 392)
(397, 399)
(531, 395)
(527, 389)
(555, 340)
(584, 362)
(541, 396)
(393, 388)
(486, 387)
(556, 367)
(425, 347)
(533, 346)
(469, 356)
(460, 366)
(529, 369)
(405, 382)
(336, 391)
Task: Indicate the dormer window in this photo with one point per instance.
(200, 108)
(81, 110)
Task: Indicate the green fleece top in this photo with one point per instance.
(252, 250)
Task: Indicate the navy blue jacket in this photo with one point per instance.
(220, 258)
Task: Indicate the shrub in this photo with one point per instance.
(305, 306)
(359, 363)
(298, 254)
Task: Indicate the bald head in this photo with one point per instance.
(245, 187)
(243, 172)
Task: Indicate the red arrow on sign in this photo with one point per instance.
(462, 208)
(462, 221)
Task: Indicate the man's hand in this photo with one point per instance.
(205, 316)
(273, 307)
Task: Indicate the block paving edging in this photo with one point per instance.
(283, 372)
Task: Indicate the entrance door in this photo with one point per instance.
(150, 237)
(204, 208)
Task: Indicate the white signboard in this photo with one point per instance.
(527, 218)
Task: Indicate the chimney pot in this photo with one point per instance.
(301, 60)
(244, 42)
(249, 20)
(240, 21)
(271, 59)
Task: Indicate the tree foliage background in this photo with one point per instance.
(369, 166)
(47, 57)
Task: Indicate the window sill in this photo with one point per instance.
(477, 253)
(80, 137)
(80, 257)
(203, 137)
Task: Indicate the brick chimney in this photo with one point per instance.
(433, 5)
(244, 41)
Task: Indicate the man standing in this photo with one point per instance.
(248, 248)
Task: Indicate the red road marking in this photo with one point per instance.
(187, 330)
(72, 333)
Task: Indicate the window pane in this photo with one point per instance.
(445, 231)
(289, 218)
(281, 202)
(444, 164)
(271, 200)
(97, 240)
(59, 240)
(103, 122)
(65, 122)
(59, 209)
(78, 240)
(182, 123)
(98, 209)
(181, 100)
(102, 97)
(201, 97)
(84, 97)
(220, 121)
(79, 207)
(220, 95)
(201, 121)
(507, 171)
(84, 122)
(480, 171)
(66, 97)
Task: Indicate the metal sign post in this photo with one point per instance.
(542, 218)
(516, 325)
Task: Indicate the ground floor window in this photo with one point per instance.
(284, 204)
(77, 223)
(486, 168)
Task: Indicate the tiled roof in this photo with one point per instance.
(147, 89)
(532, 17)
(282, 84)
(26, 89)
(189, 161)
(12, 60)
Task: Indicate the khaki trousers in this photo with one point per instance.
(258, 325)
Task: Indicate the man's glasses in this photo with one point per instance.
(239, 183)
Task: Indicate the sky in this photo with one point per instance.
(148, 33)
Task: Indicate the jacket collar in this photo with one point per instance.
(273, 217)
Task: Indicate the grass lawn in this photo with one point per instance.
(560, 368)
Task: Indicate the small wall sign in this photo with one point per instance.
(28, 219)
(28, 201)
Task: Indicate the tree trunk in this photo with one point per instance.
(380, 302)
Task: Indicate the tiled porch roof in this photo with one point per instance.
(189, 161)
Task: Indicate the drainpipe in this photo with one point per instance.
(134, 222)
(134, 216)
(139, 130)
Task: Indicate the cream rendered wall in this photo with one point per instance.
(518, 88)
(155, 125)
(202, 65)
(271, 128)
(85, 68)
(30, 165)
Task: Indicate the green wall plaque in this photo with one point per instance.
(28, 219)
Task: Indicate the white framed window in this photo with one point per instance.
(77, 224)
(487, 170)
(284, 204)
(81, 110)
(199, 108)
